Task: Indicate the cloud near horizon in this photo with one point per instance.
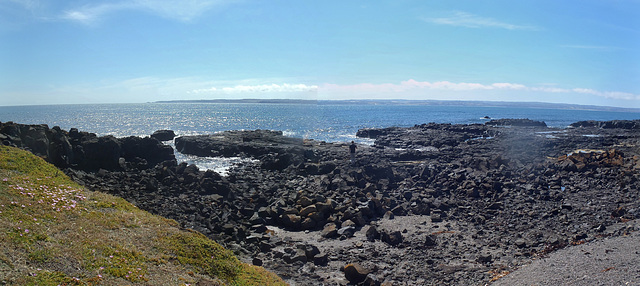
(409, 89)
(412, 86)
(262, 88)
(468, 20)
(150, 89)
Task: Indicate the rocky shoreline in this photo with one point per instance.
(424, 205)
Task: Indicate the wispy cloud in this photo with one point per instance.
(446, 85)
(414, 87)
(27, 4)
(591, 47)
(185, 11)
(468, 20)
(411, 85)
(90, 14)
(588, 91)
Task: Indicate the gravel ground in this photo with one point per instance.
(609, 261)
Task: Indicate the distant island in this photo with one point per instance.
(541, 105)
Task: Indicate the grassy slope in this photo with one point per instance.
(54, 232)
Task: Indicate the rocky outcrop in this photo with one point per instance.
(516, 122)
(374, 133)
(85, 151)
(274, 150)
(429, 137)
(613, 124)
(464, 201)
(579, 160)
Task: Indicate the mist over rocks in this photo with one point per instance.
(428, 204)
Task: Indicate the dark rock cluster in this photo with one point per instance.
(428, 204)
(83, 150)
(613, 124)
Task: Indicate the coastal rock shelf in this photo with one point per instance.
(429, 204)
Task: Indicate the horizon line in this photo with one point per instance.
(478, 103)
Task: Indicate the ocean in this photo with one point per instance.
(326, 122)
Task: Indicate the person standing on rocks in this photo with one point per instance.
(352, 150)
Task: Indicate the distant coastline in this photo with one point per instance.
(541, 105)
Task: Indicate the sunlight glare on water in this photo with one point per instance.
(322, 122)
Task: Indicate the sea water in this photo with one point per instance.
(325, 121)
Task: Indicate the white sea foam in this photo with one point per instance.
(220, 165)
(289, 133)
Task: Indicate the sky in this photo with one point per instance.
(78, 51)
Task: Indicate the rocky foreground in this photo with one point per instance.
(429, 204)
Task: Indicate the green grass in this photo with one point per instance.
(55, 232)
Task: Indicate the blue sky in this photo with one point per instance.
(58, 52)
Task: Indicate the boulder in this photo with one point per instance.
(431, 240)
(485, 258)
(163, 135)
(297, 255)
(147, 149)
(329, 231)
(291, 221)
(321, 259)
(355, 273)
(100, 153)
(308, 224)
(308, 210)
(392, 238)
(372, 233)
(310, 250)
(346, 231)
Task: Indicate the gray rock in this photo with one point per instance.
(347, 231)
(329, 231)
(484, 258)
(297, 255)
(321, 259)
(431, 240)
(372, 233)
(355, 273)
(163, 135)
(392, 238)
